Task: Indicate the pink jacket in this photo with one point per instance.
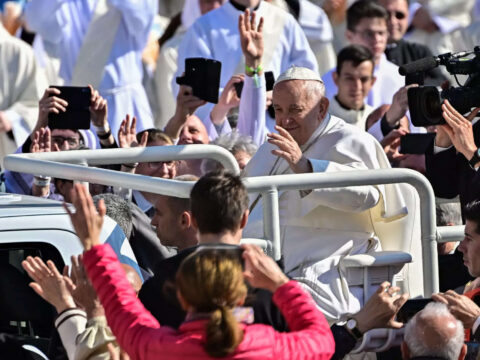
(142, 337)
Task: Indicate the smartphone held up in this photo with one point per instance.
(77, 114)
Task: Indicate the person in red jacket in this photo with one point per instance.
(209, 288)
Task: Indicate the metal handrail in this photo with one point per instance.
(268, 186)
(121, 156)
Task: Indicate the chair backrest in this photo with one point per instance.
(404, 234)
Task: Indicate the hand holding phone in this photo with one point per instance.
(76, 114)
(203, 76)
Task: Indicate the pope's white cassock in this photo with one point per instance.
(22, 83)
(215, 36)
(320, 228)
(64, 24)
(387, 83)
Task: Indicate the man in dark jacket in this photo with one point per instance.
(219, 209)
(402, 52)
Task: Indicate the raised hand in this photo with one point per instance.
(86, 221)
(42, 141)
(261, 271)
(49, 283)
(127, 134)
(98, 109)
(251, 38)
(289, 150)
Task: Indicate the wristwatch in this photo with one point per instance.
(475, 159)
(351, 326)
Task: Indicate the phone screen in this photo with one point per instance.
(416, 143)
(77, 114)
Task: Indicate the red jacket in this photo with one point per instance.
(142, 337)
(472, 295)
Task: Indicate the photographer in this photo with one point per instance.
(453, 162)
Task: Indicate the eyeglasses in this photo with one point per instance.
(371, 35)
(72, 141)
(397, 14)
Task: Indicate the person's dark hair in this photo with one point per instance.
(211, 281)
(356, 54)
(119, 210)
(154, 135)
(218, 201)
(472, 213)
(364, 9)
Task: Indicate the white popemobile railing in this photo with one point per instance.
(71, 165)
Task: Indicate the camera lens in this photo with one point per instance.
(432, 104)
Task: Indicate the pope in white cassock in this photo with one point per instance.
(22, 83)
(99, 42)
(215, 36)
(319, 228)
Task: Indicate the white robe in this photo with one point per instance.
(215, 36)
(357, 118)
(387, 83)
(22, 83)
(319, 229)
(63, 25)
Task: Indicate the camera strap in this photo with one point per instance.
(94, 54)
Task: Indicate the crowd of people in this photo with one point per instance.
(336, 103)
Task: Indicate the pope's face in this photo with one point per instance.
(298, 109)
(470, 247)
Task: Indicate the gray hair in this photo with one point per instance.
(447, 348)
(449, 213)
(233, 142)
(119, 210)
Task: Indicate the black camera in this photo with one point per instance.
(425, 102)
(203, 76)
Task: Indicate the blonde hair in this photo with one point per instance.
(211, 281)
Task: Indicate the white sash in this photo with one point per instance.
(97, 45)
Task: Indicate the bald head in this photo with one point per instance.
(132, 277)
(193, 132)
(434, 331)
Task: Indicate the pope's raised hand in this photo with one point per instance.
(289, 150)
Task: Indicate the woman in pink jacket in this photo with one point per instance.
(210, 285)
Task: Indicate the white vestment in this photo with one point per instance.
(448, 15)
(319, 229)
(22, 83)
(357, 118)
(215, 36)
(387, 83)
(63, 26)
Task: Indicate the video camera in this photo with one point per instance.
(425, 102)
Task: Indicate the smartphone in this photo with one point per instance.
(415, 78)
(233, 250)
(416, 143)
(77, 115)
(269, 82)
(203, 76)
(410, 308)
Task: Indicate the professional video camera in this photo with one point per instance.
(425, 102)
